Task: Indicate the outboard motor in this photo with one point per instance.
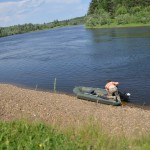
(128, 94)
(124, 96)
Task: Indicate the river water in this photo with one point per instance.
(76, 56)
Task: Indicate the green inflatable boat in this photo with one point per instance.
(96, 95)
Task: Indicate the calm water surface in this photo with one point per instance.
(76, 56)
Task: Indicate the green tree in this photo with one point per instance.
(120, 11)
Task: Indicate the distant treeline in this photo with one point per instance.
(106, 12)
(18, 29)
(100, 12)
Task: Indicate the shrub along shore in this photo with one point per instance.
(24, 28)
(60, 121)
(113, 25)
(118, 12)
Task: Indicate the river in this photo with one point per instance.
(76, 56)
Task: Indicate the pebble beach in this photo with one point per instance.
(65, 110)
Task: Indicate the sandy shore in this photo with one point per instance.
(65, 110)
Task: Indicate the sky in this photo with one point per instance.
(13, 12)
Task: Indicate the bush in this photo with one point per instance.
(91, 21)
(121, 10)
(143, 17)
(99, 11)
(147, 9)
(98, 19)
(125, 19)
(136, 9)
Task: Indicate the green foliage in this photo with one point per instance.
(147, 9)
(55, 85)
(125, 19)
(36, 136)
(135, 9)
(121, 12)
(111, 5)
(143, 17)
(21, 135)
(94, 5)
(143, 142)
(99, 11)
(55, 23)
(100, 18)
(18, 29)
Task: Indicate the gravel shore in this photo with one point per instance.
(65, 110)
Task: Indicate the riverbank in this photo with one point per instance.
(119, 26)
(26, 28)
(64, 110)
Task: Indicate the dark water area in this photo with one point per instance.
(76, 56)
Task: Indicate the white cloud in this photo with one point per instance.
(25, 6)
(12, 11)
(63, 1)
(39, 11)
(6, 8)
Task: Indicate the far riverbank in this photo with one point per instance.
(119, 26)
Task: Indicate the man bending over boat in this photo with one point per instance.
(112, 90)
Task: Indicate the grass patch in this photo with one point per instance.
(19, 135)
(113, 25)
